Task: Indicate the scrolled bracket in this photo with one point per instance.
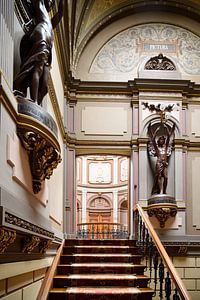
(43, 157)
(30, 243)
(162, 214)
(44, 245)
(163, 207)
(7, 237)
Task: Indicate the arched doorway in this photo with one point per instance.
(102, 184)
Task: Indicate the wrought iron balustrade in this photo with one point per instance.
(101, 230)
(163, 274)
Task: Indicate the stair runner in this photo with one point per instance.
(100, 269)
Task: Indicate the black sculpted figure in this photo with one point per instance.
(36, 51)
(162, 149)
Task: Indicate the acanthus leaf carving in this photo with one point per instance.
(43, 157)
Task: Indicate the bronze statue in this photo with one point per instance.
(162, 149)
(36, 51)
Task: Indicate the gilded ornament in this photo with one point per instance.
(43, 157)
(44, 245)
(30, 243)
(7, 237)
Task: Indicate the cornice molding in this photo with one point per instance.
(186, 87)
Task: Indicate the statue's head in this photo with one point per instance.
(49, 4)
(161, 140)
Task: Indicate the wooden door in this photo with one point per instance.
(99, 224)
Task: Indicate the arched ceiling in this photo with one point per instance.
(88, 17)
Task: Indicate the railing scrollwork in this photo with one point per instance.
(102, 230)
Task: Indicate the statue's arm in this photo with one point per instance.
(169, 133)
(58, 16)
(153, 136)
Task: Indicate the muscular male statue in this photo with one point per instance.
(162, 150)
(36, 51)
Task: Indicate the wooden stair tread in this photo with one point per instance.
(101, 246)
(102, 290)
(102, 255)
(102, 276)
(101, 265)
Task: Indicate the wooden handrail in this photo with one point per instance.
(48, 279)
(167, 261)
(99, 223)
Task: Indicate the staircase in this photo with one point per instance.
(100, 269)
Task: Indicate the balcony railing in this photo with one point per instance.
(101, 230)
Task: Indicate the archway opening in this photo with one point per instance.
(102, 195)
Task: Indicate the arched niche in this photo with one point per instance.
(151, 160)
(117, 53)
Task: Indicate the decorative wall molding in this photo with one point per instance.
(23, 224)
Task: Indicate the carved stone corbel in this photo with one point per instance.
(162, 214)
(43, 157)
(7, 237)
(30, 243)
(38, 133)
(163, 207)
(44, 245)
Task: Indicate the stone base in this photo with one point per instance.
(162, 206)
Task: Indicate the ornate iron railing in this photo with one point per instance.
(161, 268)
(101, 230)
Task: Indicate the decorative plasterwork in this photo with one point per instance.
(100, 172)
(7, 237)
(126, 50)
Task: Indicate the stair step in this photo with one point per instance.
(100, 280)
(102, 242)
(96, 268)
(93, 293)
(100, 270)
(99, 257)
(99, 249)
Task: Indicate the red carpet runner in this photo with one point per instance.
(100, 269)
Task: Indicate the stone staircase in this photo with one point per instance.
(100, 269)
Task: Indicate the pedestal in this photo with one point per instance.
(162, 206)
